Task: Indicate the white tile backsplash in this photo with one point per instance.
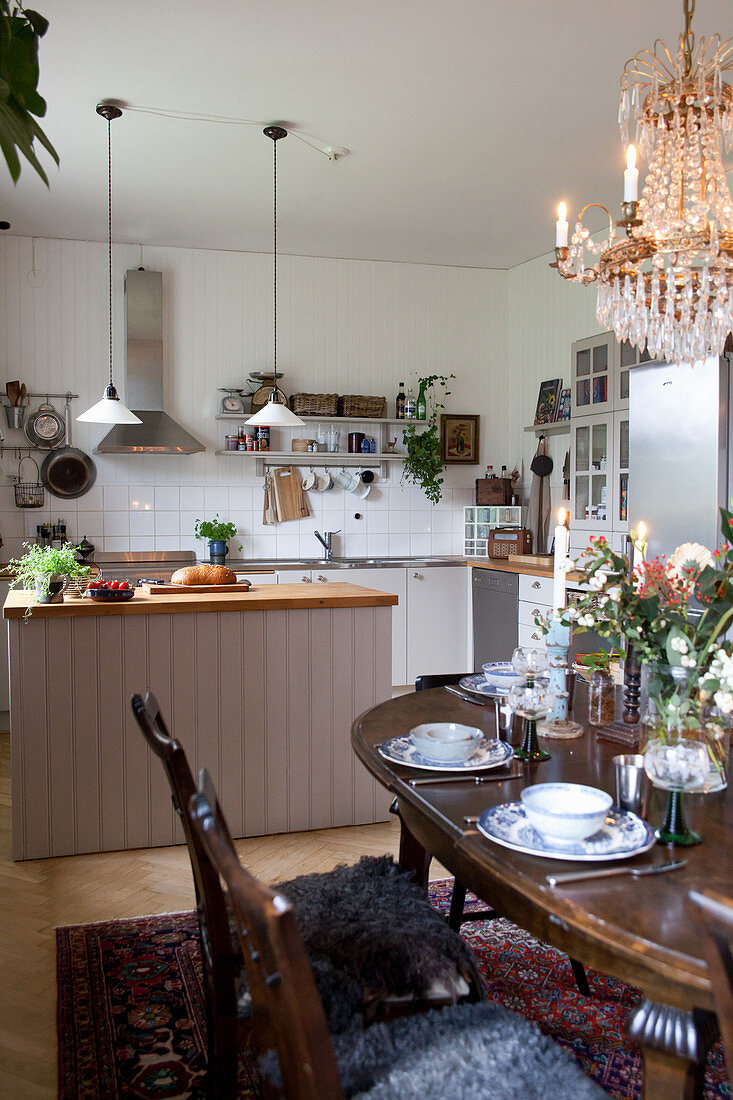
(142, 523)
(116, 499)
(116, 525)
(142, 498)
(167, 498)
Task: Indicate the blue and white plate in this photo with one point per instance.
(489, 754)
(621, 836)
(479, 686)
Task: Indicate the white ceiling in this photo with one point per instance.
(467, 121)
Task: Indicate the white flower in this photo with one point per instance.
(689, 554)
(680, 645)
(596, 582)
(573, 613)
(639, 630)
(687, 662)
(724, 701)
(602, 601)
(586, 620)
(614, 594)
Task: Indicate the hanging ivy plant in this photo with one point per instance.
(20, 32)
(424, 464)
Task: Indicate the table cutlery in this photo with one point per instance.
(515, 773)
(467, 698)
(637, 872)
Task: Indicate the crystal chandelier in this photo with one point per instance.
(667, 285)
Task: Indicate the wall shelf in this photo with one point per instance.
(558, 427)
(329, 419)
(314, 458)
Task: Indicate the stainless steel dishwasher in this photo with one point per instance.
(495, 616)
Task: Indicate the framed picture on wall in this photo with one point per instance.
(459, 438)
(547, 401)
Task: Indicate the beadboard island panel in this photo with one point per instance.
(263, 698)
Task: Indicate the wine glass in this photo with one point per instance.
(676, 764)
(531, 700)
(530, 662)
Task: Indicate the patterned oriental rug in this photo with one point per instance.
(131, 1011)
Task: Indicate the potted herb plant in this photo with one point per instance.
(423, 464)
(218, 533)
(46, 571)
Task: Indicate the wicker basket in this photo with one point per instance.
(314, 404)
(354, 404)
(28, 494)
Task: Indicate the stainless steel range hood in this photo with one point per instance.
(159, 433)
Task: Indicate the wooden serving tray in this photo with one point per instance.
(169, 589)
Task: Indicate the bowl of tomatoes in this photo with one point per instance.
(110, 591)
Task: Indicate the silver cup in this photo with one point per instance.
(631, 783)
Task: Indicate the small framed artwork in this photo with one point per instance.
(547, 401)
(459, 438)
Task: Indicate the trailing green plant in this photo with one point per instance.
(424, 463)
(215, 530)
(20, 33)
(40, 565)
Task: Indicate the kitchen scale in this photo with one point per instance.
(268, 380)
(233, 402)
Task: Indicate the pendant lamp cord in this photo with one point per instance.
(109, 234)
(274, 252)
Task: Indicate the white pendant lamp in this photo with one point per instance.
(110, 409)
(275, 412)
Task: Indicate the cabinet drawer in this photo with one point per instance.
(535, 588)
(528, 610)
(531, 636)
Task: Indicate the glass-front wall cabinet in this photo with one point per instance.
(592, 487)
(593, 372)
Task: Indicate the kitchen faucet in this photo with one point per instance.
(326, 541)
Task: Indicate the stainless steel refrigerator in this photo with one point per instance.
(679, 430)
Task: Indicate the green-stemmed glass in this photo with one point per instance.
(531, 700)
(676, 764)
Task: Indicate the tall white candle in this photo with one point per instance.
(631, 176)
(561, 554)
(561, 227)
(640, 545)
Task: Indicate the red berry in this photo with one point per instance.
(114, 585)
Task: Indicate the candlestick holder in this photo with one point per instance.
(630, 219)
(557, 724)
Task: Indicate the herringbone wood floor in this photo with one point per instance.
(36, 896)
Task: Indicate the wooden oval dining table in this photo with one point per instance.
(636, 929)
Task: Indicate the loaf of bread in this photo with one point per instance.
(204, 574)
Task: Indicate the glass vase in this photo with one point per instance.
(684, 743)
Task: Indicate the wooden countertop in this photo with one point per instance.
(503, 566)
(271, 597)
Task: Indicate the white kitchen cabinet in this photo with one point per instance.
(258, 578)
(594, 368)
(437, 620)
(383, 580)
(593, 473)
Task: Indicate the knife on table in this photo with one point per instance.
(637, 872)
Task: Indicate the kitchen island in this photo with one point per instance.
(261, 687)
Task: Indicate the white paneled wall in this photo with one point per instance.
(344, 325)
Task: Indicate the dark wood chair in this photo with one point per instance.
(478, 1046)
(224, 1029)
(372, 973)
(458, 913)
(713, 916)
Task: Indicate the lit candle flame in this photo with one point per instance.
(562, 210)
(562, 517)
(641, 529)
(631, 157)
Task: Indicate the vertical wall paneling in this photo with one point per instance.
(86, 689)
(231, 724)
(253, 703)
(137, 759)
(299, 747)
(343, 710)
(164, 822)
(61, 732)
(110, 704)
(277, 720)
(321, 692)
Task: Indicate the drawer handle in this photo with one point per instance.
(536, 584)
(535, 637)
(306, 580)
(536, 611)
(417, 576)
(321, 578)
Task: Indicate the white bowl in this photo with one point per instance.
(565, 811)
(445, 742)
(500, 674)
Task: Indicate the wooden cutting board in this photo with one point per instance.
(169, 589)
(291, 503)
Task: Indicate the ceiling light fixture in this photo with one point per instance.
(110, 409)
(275, 411)
(668, 284)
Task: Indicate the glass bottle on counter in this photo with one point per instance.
(400, 402)
(410, 406)
(601, 704)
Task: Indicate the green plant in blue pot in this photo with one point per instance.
(218, 532)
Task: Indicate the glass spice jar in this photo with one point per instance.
(601, 703)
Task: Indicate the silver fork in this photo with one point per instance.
(637, 872)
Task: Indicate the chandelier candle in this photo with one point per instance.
(631, 176)
(561, 227)
(640, 544)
